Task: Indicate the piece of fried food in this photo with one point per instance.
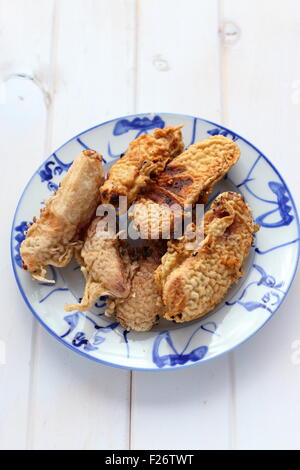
(51, 239)
(188, 178)
(193, 283)
(143, 307)
(145, 158)
(106, 272)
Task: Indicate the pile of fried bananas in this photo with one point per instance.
(161, 278)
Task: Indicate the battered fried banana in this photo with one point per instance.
(105, 271)
(52, 238)
(193, 283)
(145, 158)
(143, 307)
(188, 178)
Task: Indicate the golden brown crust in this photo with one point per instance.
(193, 283)
(143, 307)
(103, 268)
(51, 239)
(146, 157)
(186, 178)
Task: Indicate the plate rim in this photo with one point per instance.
(154, 369)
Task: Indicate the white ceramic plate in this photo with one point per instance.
(269, 270)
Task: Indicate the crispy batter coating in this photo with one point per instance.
(51, 239)
(105, 271)
(193, 283)
(188, 177)
(145, 158)
(143, 307)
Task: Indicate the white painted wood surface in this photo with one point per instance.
(68, 64)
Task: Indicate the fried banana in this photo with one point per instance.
(52, 238)
(193, 283)
(104, 269)
(188, 178)
(143, 307)
(145, 158)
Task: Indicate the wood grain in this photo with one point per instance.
(23, 115)
(76, 403)
(66, 65)
(260, 85)
(178, 70)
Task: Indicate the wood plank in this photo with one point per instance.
(188, 409)
(93, 64)
(178, 57)
(261, 76)
(78, 404)
(178, 71)
(25, 55)
(74, 403)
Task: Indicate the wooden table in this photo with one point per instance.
(66, 65)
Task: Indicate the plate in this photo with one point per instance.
(269, 270)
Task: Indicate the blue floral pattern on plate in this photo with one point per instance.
(245, 310)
